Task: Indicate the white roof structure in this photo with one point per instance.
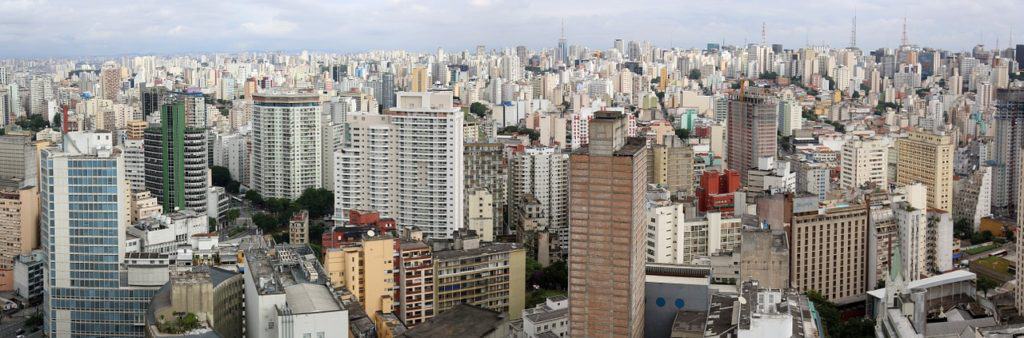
(933, 281)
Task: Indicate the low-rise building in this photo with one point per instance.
(28, 276)
(547, 319)
(298, 228)
(214, 296)
(217, 204)
(288, 294)
(762, 312)
(165, 233)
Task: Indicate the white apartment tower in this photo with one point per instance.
(864, 161)
(406, 163)
(543, 173)
(286, 145)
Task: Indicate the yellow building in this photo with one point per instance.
(488, 275)
(420, 79)
(928, 159)
(365, 268)
(19, 231)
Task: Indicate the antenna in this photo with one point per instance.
(904, 42)
(764, 35)
(563, 28)
(853, 30)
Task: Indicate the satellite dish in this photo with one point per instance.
(743, 301)
(369, 233)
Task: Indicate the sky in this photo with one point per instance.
(63, 28)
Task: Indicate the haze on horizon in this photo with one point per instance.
(61, 28)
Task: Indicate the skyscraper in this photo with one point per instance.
(286, 144)
(608, 180)
(387, 85)
(110, 81)
(1009, 123)
(751, 128)
(406, 163)
(87, 293)
(928, 159)
(176, 161)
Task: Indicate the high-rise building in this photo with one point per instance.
(608, 180)
(928, 159)
(541, 173)
(671, 165)
(40, 93)
(1009, 124)
(864, 161)
(406, 163)
(110, 81)
(420, 81)
(19, 229)
(286, 144)
(135, 162)
(176, 161)
(486, 168)
(415, 282)
(387, 86)
(86, 292)
(752, 127)
(829, 250)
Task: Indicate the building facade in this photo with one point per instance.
(828, 251)
(928, 159)
(176, 161)
(286, 147)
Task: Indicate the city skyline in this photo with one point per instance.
(41, 29)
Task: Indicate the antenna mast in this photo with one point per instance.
(904, 40)
(764, 35)
(853, 30)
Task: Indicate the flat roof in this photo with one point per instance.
(933, 281)
(310, 298)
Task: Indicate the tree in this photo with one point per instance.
(984, 284)
(232, 215)
(233, 187)
(56, 124)
(683, 134)
(254, 197)
(478, 109)
(212, 222)
(221, 176)
(266, 222)
(856, 95)
(319, 202)
(34, 122)
(694, 74)
(963, 228)
(769, 76)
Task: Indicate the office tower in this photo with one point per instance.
(86, 294)
(339, 72)
(541, 174)
(19, 158)
(176, 161)
(488, 275)
(40, 93)
(829, 249)
(19, 226)
(285, 144)
(387, 85)
(384, 164)
(110, 81)
(671, 165)
(752, 127)
(485, 168)
(151, 99)
(1018, 54)
(1009, 124)
(420, 81)
(288, 294)
(415, 283)
(562, 53)
(928, 158)
(364, 266)
(608, 179)
(864, 161)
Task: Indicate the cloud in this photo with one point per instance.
(43, 28)
(272, 27)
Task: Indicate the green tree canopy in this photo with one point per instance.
(319, 202)
(478, 109)
(694, 74)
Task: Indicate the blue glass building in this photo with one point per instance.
(84, 195)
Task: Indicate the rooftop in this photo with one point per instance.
(310, 298)
(461, 321)
(484, 249)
